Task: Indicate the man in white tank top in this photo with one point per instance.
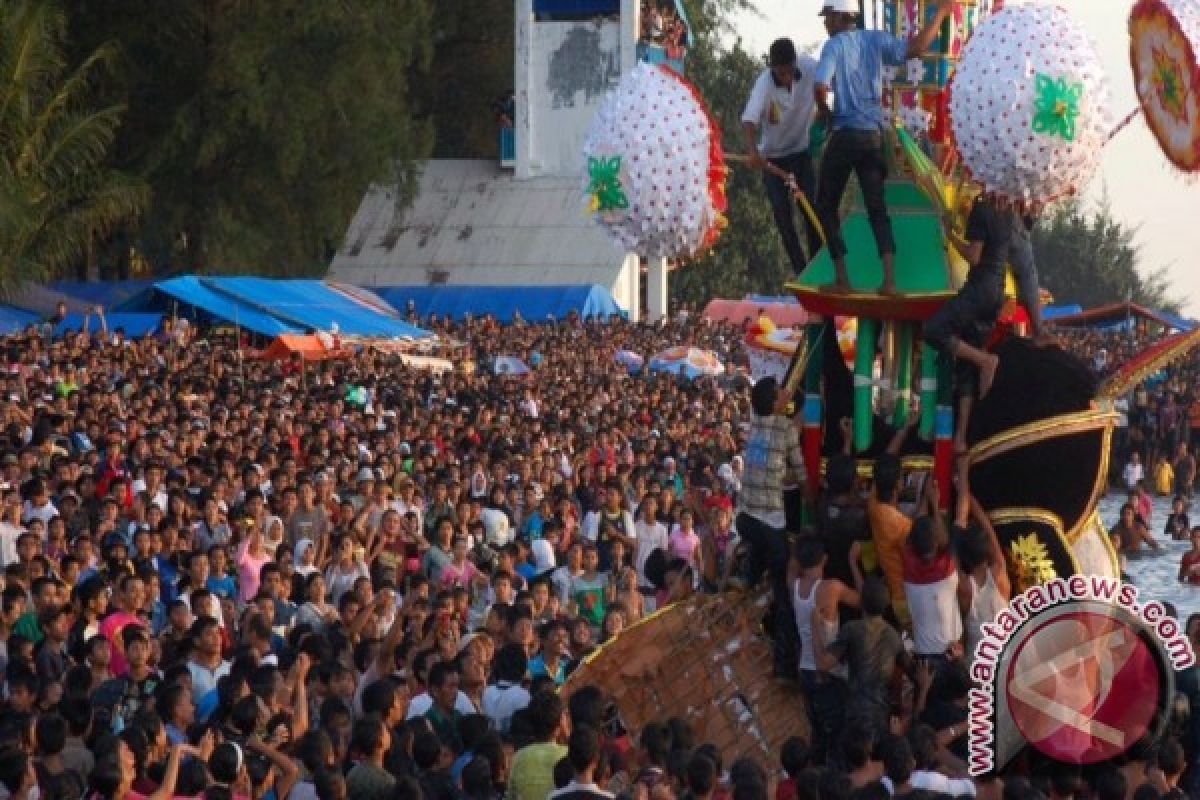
(983, 587)
(931, 588)
(815, 602)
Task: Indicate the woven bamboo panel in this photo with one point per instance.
(705, 660)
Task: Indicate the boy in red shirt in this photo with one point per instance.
(1189, 567)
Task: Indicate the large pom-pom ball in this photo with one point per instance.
(654, 171)
(1029, 105)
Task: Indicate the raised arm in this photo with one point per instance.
(750, 134)
(941, 534)
(922, 41)
(996, 558)
(166, 789)
(287, 770)
(901, 436)
(971, 252)
(299, 676)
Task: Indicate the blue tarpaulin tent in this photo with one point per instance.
(786, 299)
(14, 320)
(194, 299)
(535, 303)
(1054, 312)
(1123, 316)
(315, 306)
(136, 325)
(273, 307)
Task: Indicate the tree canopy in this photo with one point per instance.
(58, 191)
(234, 136)
(1092, 259)
(258, 126)
(749, 256)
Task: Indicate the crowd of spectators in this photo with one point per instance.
(255, 579)
(662, 26)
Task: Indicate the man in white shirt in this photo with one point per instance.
(1135, 473)
(151, 484)
(506, 696)
(38, 506)
(611, 522)
(651, 536)
(776, 123)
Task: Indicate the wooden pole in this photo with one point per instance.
(903, 384)
(813, 410)
(802, 199)
(864, 373)
(928, 388)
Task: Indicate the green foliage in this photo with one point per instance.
(57, 192)
(1092, 259)
(472, 66)
(749, 256)
(258, 125)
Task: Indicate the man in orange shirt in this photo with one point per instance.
(889, 529)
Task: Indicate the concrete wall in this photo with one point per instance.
(573, 66)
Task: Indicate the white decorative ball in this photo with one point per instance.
(653, 169)
(1030, 106)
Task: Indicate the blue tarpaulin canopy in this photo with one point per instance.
(14, 320)
(785, 299)
(534, 303)
(1123, 315)
(1054, 312)
(136, 325)
(315, 306)
(194, 298)
(273, 307)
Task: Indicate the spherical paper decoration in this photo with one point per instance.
(1163, 48)
(654, 171)
(1029, 105)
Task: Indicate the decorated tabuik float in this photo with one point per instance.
(1009, 101)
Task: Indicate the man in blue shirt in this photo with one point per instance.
(851, 67)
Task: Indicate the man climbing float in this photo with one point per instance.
(851, 67)
(776, 125)
(961, 327)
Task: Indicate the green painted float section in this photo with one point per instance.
(922, 266)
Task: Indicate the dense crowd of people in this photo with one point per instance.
(661, 25)
(256, 579)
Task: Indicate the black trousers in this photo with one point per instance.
(783, 206)
(860, 152)
(969, 316)
(767, 549)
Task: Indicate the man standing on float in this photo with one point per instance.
(776, 125)
(851, 67)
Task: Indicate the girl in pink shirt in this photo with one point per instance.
(460, 572)
(683, 542)
(251, 555)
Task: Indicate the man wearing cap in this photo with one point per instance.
(851, 68)
(776, 124)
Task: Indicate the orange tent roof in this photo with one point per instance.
(309, 347)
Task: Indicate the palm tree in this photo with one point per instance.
(58, 194)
